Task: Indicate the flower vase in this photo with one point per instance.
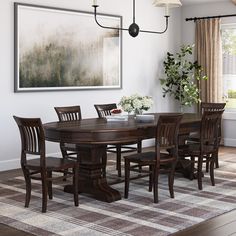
(138, 112)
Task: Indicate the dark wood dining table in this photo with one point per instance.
(97, 133)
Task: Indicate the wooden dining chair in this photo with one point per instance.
(160, 161)
(206, 150)
(69, 150)
(35, 165)
(69, 113)
(105, 110)
(195, 137)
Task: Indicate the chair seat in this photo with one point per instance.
(52, 163)
(149, 157)
(195, 149)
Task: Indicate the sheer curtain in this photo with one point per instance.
(209, 56)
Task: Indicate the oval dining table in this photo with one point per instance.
(97, 133)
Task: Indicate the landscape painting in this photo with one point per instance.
(61, 49)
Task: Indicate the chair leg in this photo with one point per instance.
(49, 175)
(139, 146)
(192, 165)
(127, 175)
(75, 184)
(171, 180)
(212, 162)
(139, 150)
(199, 172)
(155, 184)
(217, 160)
(118, 159)
(44, 191)
(150, 178)
(28, 187)
(207, 163)
(64, 156)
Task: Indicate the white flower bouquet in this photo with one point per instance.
(136, 103)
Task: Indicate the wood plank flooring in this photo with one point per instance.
(9, 231)
(224, 225)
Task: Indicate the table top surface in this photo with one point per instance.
(100, 124)
(100, 131)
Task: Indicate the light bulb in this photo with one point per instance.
(167, 10)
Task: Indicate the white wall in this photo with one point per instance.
(142, 58)
(200, 10)
(188, 33)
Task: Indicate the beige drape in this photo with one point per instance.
(209, 56)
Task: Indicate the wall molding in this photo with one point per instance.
(9, 164)
(15, 163)
(229, 142)
(229, 115)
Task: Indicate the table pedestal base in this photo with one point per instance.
(90, 175)
(100, 190)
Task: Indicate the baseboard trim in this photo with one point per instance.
(15, 163)
(9, 164)
(229, 142)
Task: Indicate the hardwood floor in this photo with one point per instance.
(9, 231)
(223, 225)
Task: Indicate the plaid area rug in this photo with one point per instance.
(134, 216)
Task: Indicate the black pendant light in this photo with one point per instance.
(134, 28)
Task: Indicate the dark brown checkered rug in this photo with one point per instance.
(134, 216)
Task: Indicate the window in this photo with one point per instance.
(229, 65)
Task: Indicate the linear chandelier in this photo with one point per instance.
(134, 28)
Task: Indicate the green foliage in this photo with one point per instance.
(229, 41)
(231, 93)
(180, 76)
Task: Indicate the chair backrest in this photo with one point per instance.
(32, 138)
(210, 123)
(207, 106)
(104, 109)
(167, 131)
(68, 113)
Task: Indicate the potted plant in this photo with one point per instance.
(181, 75)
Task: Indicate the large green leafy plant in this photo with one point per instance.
(181, 75)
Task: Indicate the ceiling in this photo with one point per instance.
(191, 2)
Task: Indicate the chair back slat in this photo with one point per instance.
(208, 106)
(210, 124)
(69, 113)
(167, 130)
(32, 139)
(104, 109)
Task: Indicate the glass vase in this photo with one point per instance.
(138, 112)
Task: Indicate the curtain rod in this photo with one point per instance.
(208, 17)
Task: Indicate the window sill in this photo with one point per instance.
(229, 115)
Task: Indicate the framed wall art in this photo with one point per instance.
(63, 49)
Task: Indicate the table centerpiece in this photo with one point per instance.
(136, 104)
